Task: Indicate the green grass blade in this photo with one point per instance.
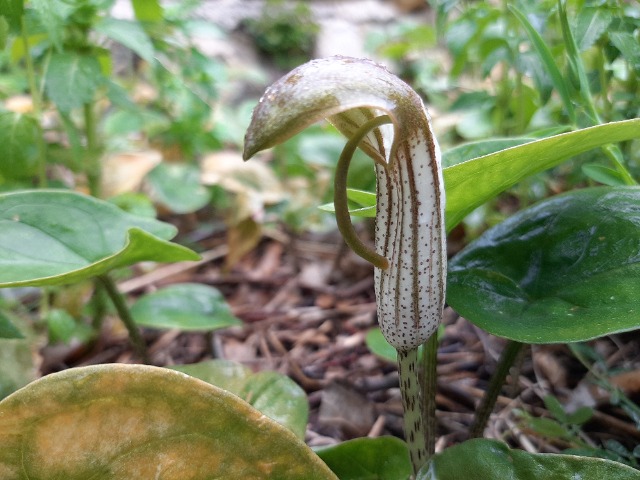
(547, 59)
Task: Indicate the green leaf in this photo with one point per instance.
(547, 427)
(8, 329)
(580, 416)
(52, 15)
(228, 375)
(483, 459)
(379, 346)
(19, 137)
(147, 10)
(137, 204)
(128, 33)
(470, 184)
(368, 459)
(12, 10)
(64, 328)
(112, 422)
(627, 43)
(4, 32)
(555, 408)
(50, 237)
(279, 398)
(186, 306)
(366, 199)
(604, 175)
(471, 150)
(547, 59)
(564, 270)
(72, 79)
(178, 186)
(274, 394)
(592, 23)
(16, 369)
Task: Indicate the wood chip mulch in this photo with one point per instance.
(307, 305)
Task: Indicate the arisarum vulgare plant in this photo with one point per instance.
(383, 116)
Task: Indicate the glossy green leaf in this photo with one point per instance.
(484, 459)
(50, 237)
(185, 306)
(128, 33)
(7, 328)
(178, 186)
(72, 79)
(19, 136)
(564, 270)
(274, 394)
(470, 184)
(383, 458)
(132, 421)
(147, 10)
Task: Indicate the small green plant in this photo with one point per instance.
(285, 32)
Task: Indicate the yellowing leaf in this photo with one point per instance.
(138, 422)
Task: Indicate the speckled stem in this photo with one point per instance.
(414, 432)
(429, 385)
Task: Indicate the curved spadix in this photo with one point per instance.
(410, 236)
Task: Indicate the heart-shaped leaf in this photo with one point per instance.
(19, 139)
(132, 421)
(484, 459)
(564, 270)
(178, 187)
(275, 395)
(50, 237)
(368, 459)
(128, 33)
(186, 306)
(72, 80)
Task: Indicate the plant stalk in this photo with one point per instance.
(507, 358)
(125, 315)
(429, 386)
(414, 428)
(92, 167)
(37, 104)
